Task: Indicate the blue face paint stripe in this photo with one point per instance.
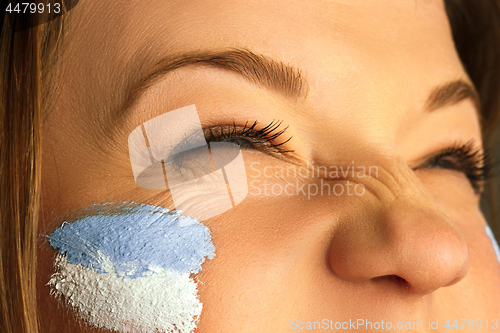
(134, 241)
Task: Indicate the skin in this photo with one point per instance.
(411, 248)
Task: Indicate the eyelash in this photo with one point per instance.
(263, 139)
(476, 164)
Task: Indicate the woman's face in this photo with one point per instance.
(382, 89)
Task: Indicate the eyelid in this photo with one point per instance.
(471, 159)
(263, 139)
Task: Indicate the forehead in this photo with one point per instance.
(346, 47)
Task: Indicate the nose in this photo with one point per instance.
(399, 235)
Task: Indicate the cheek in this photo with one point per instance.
(454, 195)
(449, 187)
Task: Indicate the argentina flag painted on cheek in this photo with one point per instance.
(128, 268)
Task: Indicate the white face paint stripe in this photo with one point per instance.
(165, 302)
(493, 241)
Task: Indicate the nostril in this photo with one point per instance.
(393, 279)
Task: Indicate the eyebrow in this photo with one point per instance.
(451, 93)
(277, 76)
(274, 75)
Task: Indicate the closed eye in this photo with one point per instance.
(473, 162)
(267, 140)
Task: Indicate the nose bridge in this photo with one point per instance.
(399, 230)
(396, 181)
